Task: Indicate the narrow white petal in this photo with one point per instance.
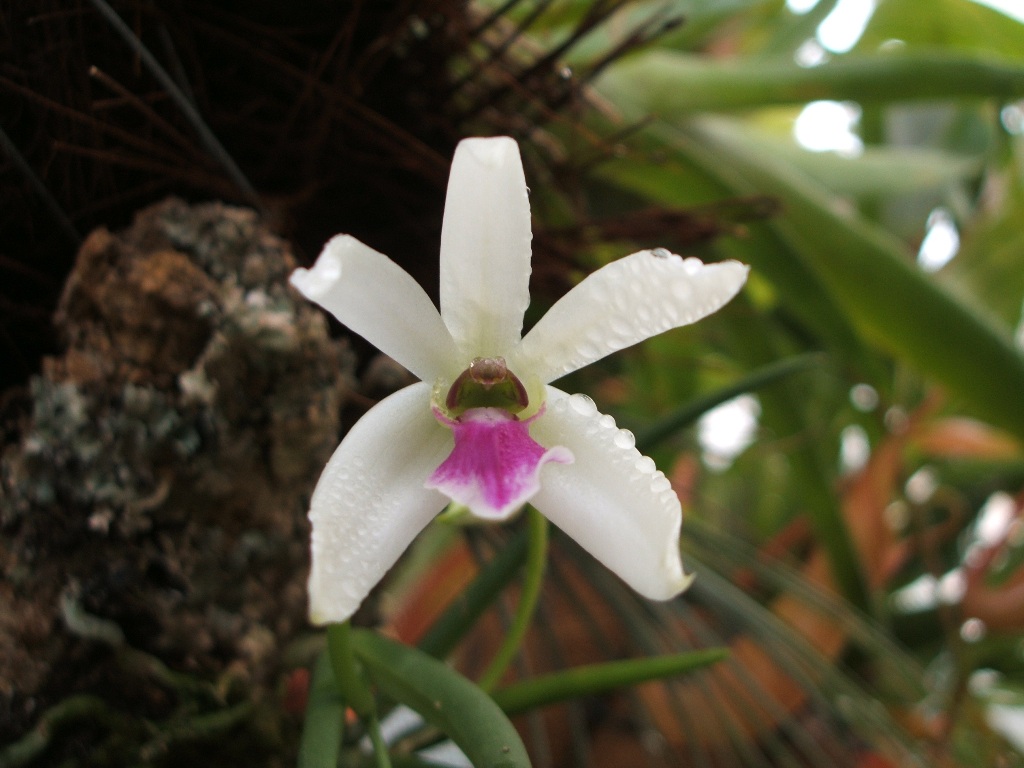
(612, 500)
(485, 247)
(380, 301)
(370, 502)
(621, 304)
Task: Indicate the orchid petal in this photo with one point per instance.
(621, 304)
(485, 247)
(370, 502)
(611, 500)
(495, 466)
(380, 301)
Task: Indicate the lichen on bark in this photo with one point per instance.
(153, 491)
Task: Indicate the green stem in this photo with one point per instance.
(346, 672)
(380, 747)
(353, 687)
(536, 558)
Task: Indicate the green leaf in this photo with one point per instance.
(600, 678)
(444, 698)
(897, 305)
(877, 172)
(675, 84)
(988, 265)
(956, 25)
(323, 727)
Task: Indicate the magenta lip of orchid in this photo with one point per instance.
(484, 428)
(494, 468)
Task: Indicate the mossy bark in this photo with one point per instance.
(154, 485)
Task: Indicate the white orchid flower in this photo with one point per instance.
(483, 427)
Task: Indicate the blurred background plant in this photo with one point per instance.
(846, 436)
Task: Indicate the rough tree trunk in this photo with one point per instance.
(152, 499)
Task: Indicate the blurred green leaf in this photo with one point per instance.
(989, 262)
(444, 698)
(881, 289)
(676, 84)
(877, 172)
(600, 678)
(953, 25)
(323, 726)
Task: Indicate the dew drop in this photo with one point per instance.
(582, 404)
(645, 464)
(624, 439)
(660, 483)
(606, 421)
(661, 253)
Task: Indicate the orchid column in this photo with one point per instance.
(484, 428)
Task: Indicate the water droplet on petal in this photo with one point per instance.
(645, 464)
(606, 421)
(661, 253)
(624, 439)
(660, 483)
(582, 404)
(693, 265)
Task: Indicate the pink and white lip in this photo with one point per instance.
(494, 467)
(399, 465)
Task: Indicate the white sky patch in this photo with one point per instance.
(402, 721)
(825, 126)
(1012, 117)
(800, 7)
(810, 54)
(995, 520)
(726, 431)
(921, 485)
(854, 448)
(842, 28)
(1003, 711)
(941, 241)
(926, 592)
(864, 397)
(1012, 8)
(918, 595)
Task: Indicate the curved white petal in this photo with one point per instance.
(612, 500)
(370, 503)
(380, 301)
(485, 247)
(623, 303)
